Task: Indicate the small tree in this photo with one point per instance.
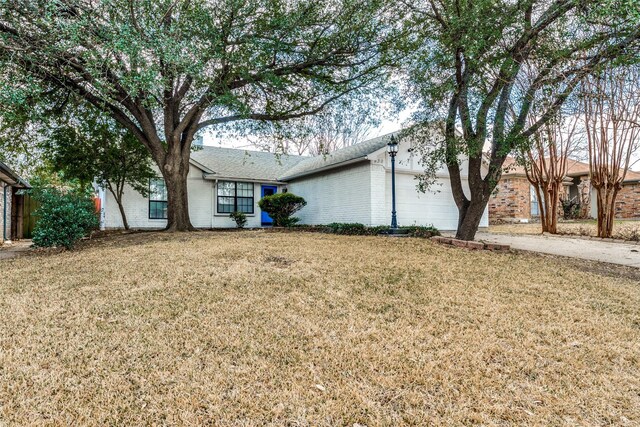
(281, 206)
(239, 217)
(64, 216)
(612, 122)
(546, 162)
(94, 147)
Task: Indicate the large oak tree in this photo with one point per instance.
(482, 64)
(165, 69)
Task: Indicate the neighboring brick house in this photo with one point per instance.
(514, 199)
(11, 204)
(628, 200)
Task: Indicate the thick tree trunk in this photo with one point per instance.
(470, 211)
(470, 215)
(175, 171)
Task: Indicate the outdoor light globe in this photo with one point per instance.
(392, 146)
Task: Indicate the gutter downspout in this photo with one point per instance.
(4, 215)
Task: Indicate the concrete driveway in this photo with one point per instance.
(627, 254)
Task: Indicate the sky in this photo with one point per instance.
(385, 127)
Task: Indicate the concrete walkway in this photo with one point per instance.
(616, 253)
(15, 249)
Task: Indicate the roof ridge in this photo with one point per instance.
(205, 147)
(346, 154)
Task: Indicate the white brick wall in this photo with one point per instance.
(362, 193)
(379, 214)
(202, 207)
(341, 195)
(435, 207)
(359, 192)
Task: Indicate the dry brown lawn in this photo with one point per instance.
(625, 230)
(257, 328)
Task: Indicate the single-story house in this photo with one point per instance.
(515, 199)
(350, 185)
(11, 204)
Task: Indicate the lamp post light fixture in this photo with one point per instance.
(392, 149)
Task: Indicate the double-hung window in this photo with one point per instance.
(235, 197)
(157, 199)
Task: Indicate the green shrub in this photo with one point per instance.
(357, 229)
(281, 207)
(64, 217)
(240, 218)
(354, 229)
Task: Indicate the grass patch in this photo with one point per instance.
(624, 230)
(254, 328)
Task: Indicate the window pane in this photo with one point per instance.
(225, 204)
(245, 204)
(157, 189)
(226, 188)
(157, 210)
(245, 189)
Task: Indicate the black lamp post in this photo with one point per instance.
(392, 149)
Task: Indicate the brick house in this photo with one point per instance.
(514, 199)
(11, 204)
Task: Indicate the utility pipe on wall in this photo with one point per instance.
(4, 215)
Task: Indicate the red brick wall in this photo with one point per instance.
(628, 201)
(511, 200)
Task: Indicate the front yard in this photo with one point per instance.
(248, 328)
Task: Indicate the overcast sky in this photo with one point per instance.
(386, 126)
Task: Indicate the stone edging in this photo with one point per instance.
(470, 244)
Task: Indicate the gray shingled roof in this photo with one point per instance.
(259, 165)
(245, 164)
(345, 155)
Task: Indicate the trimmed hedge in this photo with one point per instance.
(357, 229)
(353, 229)
(281, 207)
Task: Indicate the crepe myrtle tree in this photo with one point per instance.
(482, 64)
(611, 102)
(165, 69)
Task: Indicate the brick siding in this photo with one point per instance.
(511, 200)
(628, 201)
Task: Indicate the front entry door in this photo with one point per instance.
(268, 190)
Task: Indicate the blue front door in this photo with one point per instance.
(268, 190)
